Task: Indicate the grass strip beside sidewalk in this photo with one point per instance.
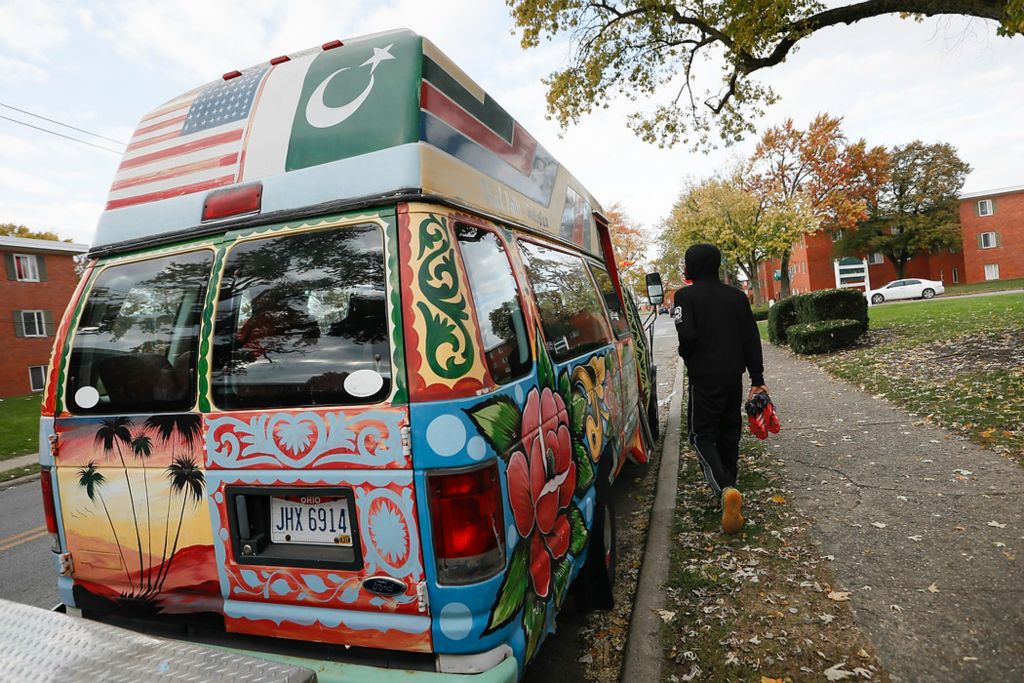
(19, 425)
(18, 472)
(761, 605)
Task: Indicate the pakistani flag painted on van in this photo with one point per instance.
(366, 91)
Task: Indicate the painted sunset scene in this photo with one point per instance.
(133, 493)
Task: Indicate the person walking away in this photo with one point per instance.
(718, 340)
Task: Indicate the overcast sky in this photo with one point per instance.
(101, 65)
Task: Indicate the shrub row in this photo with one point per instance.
(760, 312)
(832, 304)
(781, 316)
(823, 336)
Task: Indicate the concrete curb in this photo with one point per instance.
(11, 483)
(644, 655)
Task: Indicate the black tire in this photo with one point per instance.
(597, 585)
(652, 406)
(928, 293)
(877, 299)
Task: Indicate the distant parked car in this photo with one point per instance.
(912, 288)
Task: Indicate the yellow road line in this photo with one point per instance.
(14, 544)
(15, 537)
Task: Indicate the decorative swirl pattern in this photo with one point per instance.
(449, 344)
(306, 440)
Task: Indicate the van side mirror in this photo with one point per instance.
(655, 292)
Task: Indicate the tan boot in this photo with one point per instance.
(732, 510)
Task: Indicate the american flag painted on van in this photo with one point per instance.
(193, 143)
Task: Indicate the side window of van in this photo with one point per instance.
(570, 307)
(498, 309)
(302, 321)
(611, 301)
(136, 342)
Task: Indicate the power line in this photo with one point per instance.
(61, 135)
(66, 125)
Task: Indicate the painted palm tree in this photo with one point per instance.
(189, 429)
(92, 480)
(188, 481)
(142, 448)
(111, 434)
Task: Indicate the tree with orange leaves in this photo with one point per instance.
(836, 179)
(629, 240)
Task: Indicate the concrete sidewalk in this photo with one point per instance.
(927, 529)
(20, 461)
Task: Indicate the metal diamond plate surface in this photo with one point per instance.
(37, 645)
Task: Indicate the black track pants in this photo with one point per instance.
(714, 421)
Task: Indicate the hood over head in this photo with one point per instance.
(702, 262)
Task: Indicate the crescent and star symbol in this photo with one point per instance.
(319, 115)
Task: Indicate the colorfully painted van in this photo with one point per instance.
(348, 376)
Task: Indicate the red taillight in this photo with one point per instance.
(331, 45)
(49, 508)
(468, 523)
(233, 201)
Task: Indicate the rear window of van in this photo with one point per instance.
(135, 346)
(302, 321)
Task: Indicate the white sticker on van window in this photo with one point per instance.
(87, 397)
(363, 383)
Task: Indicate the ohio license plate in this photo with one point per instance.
(318, 520)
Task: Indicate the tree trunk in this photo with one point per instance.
(784, 276)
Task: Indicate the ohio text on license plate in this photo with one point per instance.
(321, 520)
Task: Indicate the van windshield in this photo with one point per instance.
(135, 346)
(302, 321)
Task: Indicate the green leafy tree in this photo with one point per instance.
(15, 230)
(916, 209)
(747, 226)
(635, 47)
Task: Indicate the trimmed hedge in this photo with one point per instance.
(832, 304)
(780, 316)
(823, 336)
(760, 312)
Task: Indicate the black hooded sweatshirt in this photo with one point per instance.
(718, 337)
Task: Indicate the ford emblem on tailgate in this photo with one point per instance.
(384, 585)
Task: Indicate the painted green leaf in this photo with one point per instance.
(498, 420)
(513, 589)
(563, 386)
(577, 411)
(578, 533)
(584, 468)
(561, 580)
(534, 616)
(545, 370)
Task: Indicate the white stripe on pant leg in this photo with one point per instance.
(709, 475)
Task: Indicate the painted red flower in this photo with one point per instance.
(541, 481)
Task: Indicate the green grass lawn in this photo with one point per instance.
(988, 286)
(955, 362)
(19, 425)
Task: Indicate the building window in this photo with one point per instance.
(26, 268)
(33, 323)
(875, 258)
(956, 276)
(992, 271)
(37, 377)
(837, 235)
(987, 240)
(895, 230)
(985, 207)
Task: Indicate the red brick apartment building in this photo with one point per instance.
(993, 249)
(40, 279)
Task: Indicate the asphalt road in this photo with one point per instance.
(26, 567)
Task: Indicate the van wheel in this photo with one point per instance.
(652, 407)
(597, 588)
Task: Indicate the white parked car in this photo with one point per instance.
(910, 288)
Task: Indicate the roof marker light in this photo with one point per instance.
(231, 74)
(280, 60)
(233, 201)
(331, 45)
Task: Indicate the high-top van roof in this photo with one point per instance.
(369, 120)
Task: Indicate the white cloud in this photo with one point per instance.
(16, 71)
(37, 28)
